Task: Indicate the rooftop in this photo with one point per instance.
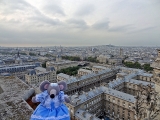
(40, 69)
(139, 82)
(62, 62)
(89, 76)
(101, 67)
(83, 115)
(85, 70)
(13, 94)
(78, 99)
(65, 76)
(129, 78)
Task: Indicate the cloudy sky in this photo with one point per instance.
(79, 22)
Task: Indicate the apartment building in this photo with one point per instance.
(118, 100)
(95, 69)
(37, 75)
(82, 72)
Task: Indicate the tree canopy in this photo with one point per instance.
(72, 58)
(91, 59)
(137, 65)
(69, 70)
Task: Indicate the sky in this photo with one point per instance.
(36, 23)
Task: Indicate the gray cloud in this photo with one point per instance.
(101, 25)
(53, 22)
(54, 9)
(77, 23)
(143, 30)
(46, 20)
(85, 10)
(122, 28)
(33, 15)
(10, 6)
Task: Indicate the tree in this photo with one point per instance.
(147, 67)
(92, 59)
(137, 65)
(72, 58)
(133, 65)
(32, 54)
(69, 70)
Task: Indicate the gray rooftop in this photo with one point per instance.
(64, 75)
(129, 78)
(41, 69)
(139, 82)
(62, 62)
(89, 76)
(83, 115)
(121, 95)
(85, 70)
(146, 74)
(78, 99)
(101, 67)
(12, 99)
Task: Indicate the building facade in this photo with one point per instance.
(17, 68)
(82, 72)
(34, 77)
(84, 83)
(62, 76)
(125, 98)
(96, 69)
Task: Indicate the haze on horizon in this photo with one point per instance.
(78, 23)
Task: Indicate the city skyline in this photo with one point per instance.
(79, 23)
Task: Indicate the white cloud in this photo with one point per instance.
(79, 22)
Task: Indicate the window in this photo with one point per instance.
(118, 102)
(129, 106)
(113, 100)
(123, 103)
(128, 113)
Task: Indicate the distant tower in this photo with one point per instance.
(121, 52)
(58, 58)
(18, 60)
(18, 55)
(61, 50)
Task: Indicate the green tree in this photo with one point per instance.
(147, 67)
(69, 70)
(32, 54)
(92, 59)
(72, 58)
(137, 65)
